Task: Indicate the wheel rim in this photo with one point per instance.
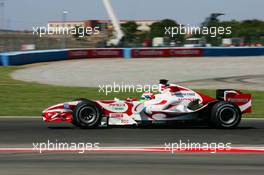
(87, 114)
(227, 116)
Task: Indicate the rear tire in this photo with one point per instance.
(87, 114)
(225, 115)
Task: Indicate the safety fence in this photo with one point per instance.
(28, 57)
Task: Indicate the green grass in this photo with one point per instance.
(18, 98)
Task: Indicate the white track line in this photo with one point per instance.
(39, 117)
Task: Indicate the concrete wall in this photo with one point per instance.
(28, 57)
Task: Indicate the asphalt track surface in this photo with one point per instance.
(196, 72)
(131, 164)
(210, 72)
(23, 132)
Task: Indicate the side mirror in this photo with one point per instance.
(130, 99)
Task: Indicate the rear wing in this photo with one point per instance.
(243, 101)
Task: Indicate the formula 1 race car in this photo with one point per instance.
(171, 104)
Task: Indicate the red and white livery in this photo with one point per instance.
(173, 103)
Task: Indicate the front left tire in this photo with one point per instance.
(87, 114)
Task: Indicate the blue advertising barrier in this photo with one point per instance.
(21, 58)
(28, 57)
(127, 52)
(233, 51)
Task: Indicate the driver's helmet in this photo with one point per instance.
(147, 96)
